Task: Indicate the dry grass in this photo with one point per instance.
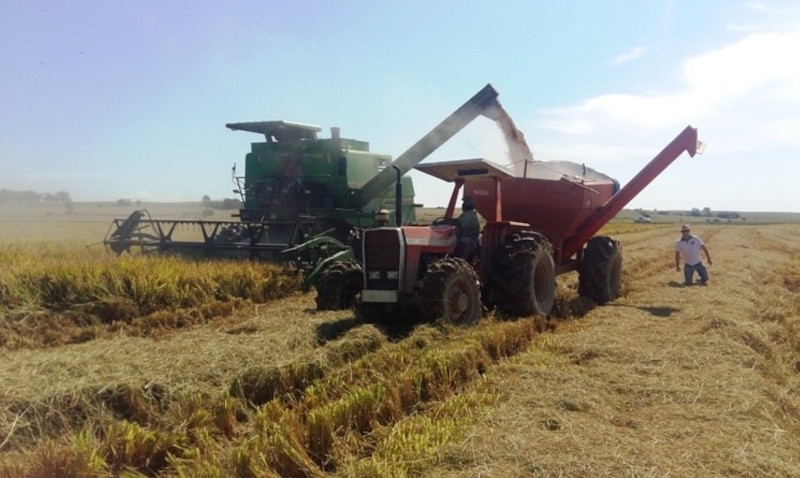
(52, 296)
(665, 381)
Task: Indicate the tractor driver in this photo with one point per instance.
(470, 229)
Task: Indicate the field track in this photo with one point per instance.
(665, 381)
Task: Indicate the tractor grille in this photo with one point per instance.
(383, 257)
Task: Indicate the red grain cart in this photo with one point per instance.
(541, 220)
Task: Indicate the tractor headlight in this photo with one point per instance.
(374, 275)
(392, 275)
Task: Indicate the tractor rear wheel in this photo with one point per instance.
(530, 279)
(451, 292)
(600, 270)
(338, 285)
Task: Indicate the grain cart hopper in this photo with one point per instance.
(541, 222)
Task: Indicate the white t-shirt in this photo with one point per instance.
(690, 248)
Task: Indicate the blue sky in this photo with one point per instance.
(110, 100)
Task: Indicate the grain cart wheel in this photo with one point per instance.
(338, 285)
(530, 277)
(450, 291)
(600, 270)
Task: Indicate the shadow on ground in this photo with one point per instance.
(654, 310)
(397, 327)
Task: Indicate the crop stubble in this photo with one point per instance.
(666, 380)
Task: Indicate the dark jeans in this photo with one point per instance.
(689, 270)
(466, 247)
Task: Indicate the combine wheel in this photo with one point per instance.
(601, 270)
(451, 292)
(530, 278)
(338, 285)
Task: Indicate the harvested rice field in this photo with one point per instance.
(154, 366)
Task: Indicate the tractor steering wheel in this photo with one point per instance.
(448, 221)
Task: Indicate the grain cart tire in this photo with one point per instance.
(338, 285)
(451, 292)
(530, 279)
(600, 271)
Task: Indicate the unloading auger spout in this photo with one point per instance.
(484, 102)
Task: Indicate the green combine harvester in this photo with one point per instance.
(305, 199)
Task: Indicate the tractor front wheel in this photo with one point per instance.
(600, 270)
(338, 286)
(451, 292)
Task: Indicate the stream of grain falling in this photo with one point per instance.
(518, 150)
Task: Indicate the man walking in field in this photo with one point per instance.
(690, 246)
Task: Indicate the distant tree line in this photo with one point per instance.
(706, 212)
(696, 212)
(210, 205)
(10, 196)
(224, 204)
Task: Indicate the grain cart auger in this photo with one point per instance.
(539, 223)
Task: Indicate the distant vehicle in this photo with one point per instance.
(644, 219)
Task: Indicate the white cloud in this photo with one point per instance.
(759, 60)
(630, 55)
(750, 89)
(744, 98)
(780, 15)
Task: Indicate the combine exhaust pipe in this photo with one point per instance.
(398, 198)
